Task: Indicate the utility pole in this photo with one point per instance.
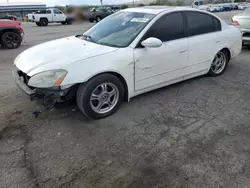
(133, 3)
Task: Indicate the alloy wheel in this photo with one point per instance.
(104, 98)
(12, 40)
(219, 63)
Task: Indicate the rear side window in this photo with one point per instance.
(217, 24)
(199, 23)
(168, 27)
(48, 11)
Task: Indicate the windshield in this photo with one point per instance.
(119, 29)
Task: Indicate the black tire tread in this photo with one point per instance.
(3, 43)
(87, 87)
(211, 73)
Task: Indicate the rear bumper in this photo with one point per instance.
(245, 35)
(246, 39)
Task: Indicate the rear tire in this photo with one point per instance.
(101, 96)
(44, 22)
(219, 64)
(63, 23)
(11, 40)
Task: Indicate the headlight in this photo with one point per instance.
(48, 79)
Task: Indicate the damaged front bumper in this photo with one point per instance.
(49, 95)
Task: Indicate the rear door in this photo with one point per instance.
(204, 41)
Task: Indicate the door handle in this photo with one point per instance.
(183, 51)
(217, 41)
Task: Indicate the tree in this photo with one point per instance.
(101, 1)
(140, 5)
(179, 2)
(161, 2)
(124, 6)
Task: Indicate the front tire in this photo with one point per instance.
(11, 40)
(38, 24)
(101, 96)
(98, 19)
(219, 63)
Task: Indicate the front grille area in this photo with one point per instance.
(246, 35)
(24, 76)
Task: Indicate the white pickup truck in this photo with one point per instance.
(52, 15)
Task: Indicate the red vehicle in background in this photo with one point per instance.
(11, 34)
(8, 17)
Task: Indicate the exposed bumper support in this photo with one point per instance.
(49, 95)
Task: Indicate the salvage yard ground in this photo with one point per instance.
(192, 134)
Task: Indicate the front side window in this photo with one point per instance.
(57, 12)
(168, 27)
(119, 29)
(199, 23)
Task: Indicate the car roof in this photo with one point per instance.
(157, 9)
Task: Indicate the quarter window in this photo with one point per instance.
(168, 27)
(199, 23)
(217, 24)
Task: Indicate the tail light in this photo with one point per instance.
(236, 23)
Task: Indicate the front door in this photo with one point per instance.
(58, 16)
(164, 65)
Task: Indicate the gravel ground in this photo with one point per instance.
(192, 134)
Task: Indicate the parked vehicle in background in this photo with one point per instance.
(30, 17)
(129, 53)
(227, 7)
(243, 6)
(219, 8)
(44, 17)
(199, 4)
(98, 14)
(212, 9)
(242, 21)
(115, 9)
(8, 17)
(11, 34)
(235, 6)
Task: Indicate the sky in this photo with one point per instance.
(64, 2)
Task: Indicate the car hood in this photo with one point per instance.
(57, 54)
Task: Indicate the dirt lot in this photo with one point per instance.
(192, 134)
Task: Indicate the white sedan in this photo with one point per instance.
(128, 53)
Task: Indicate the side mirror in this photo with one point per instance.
(152, 43)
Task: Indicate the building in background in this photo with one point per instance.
(20, 10)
